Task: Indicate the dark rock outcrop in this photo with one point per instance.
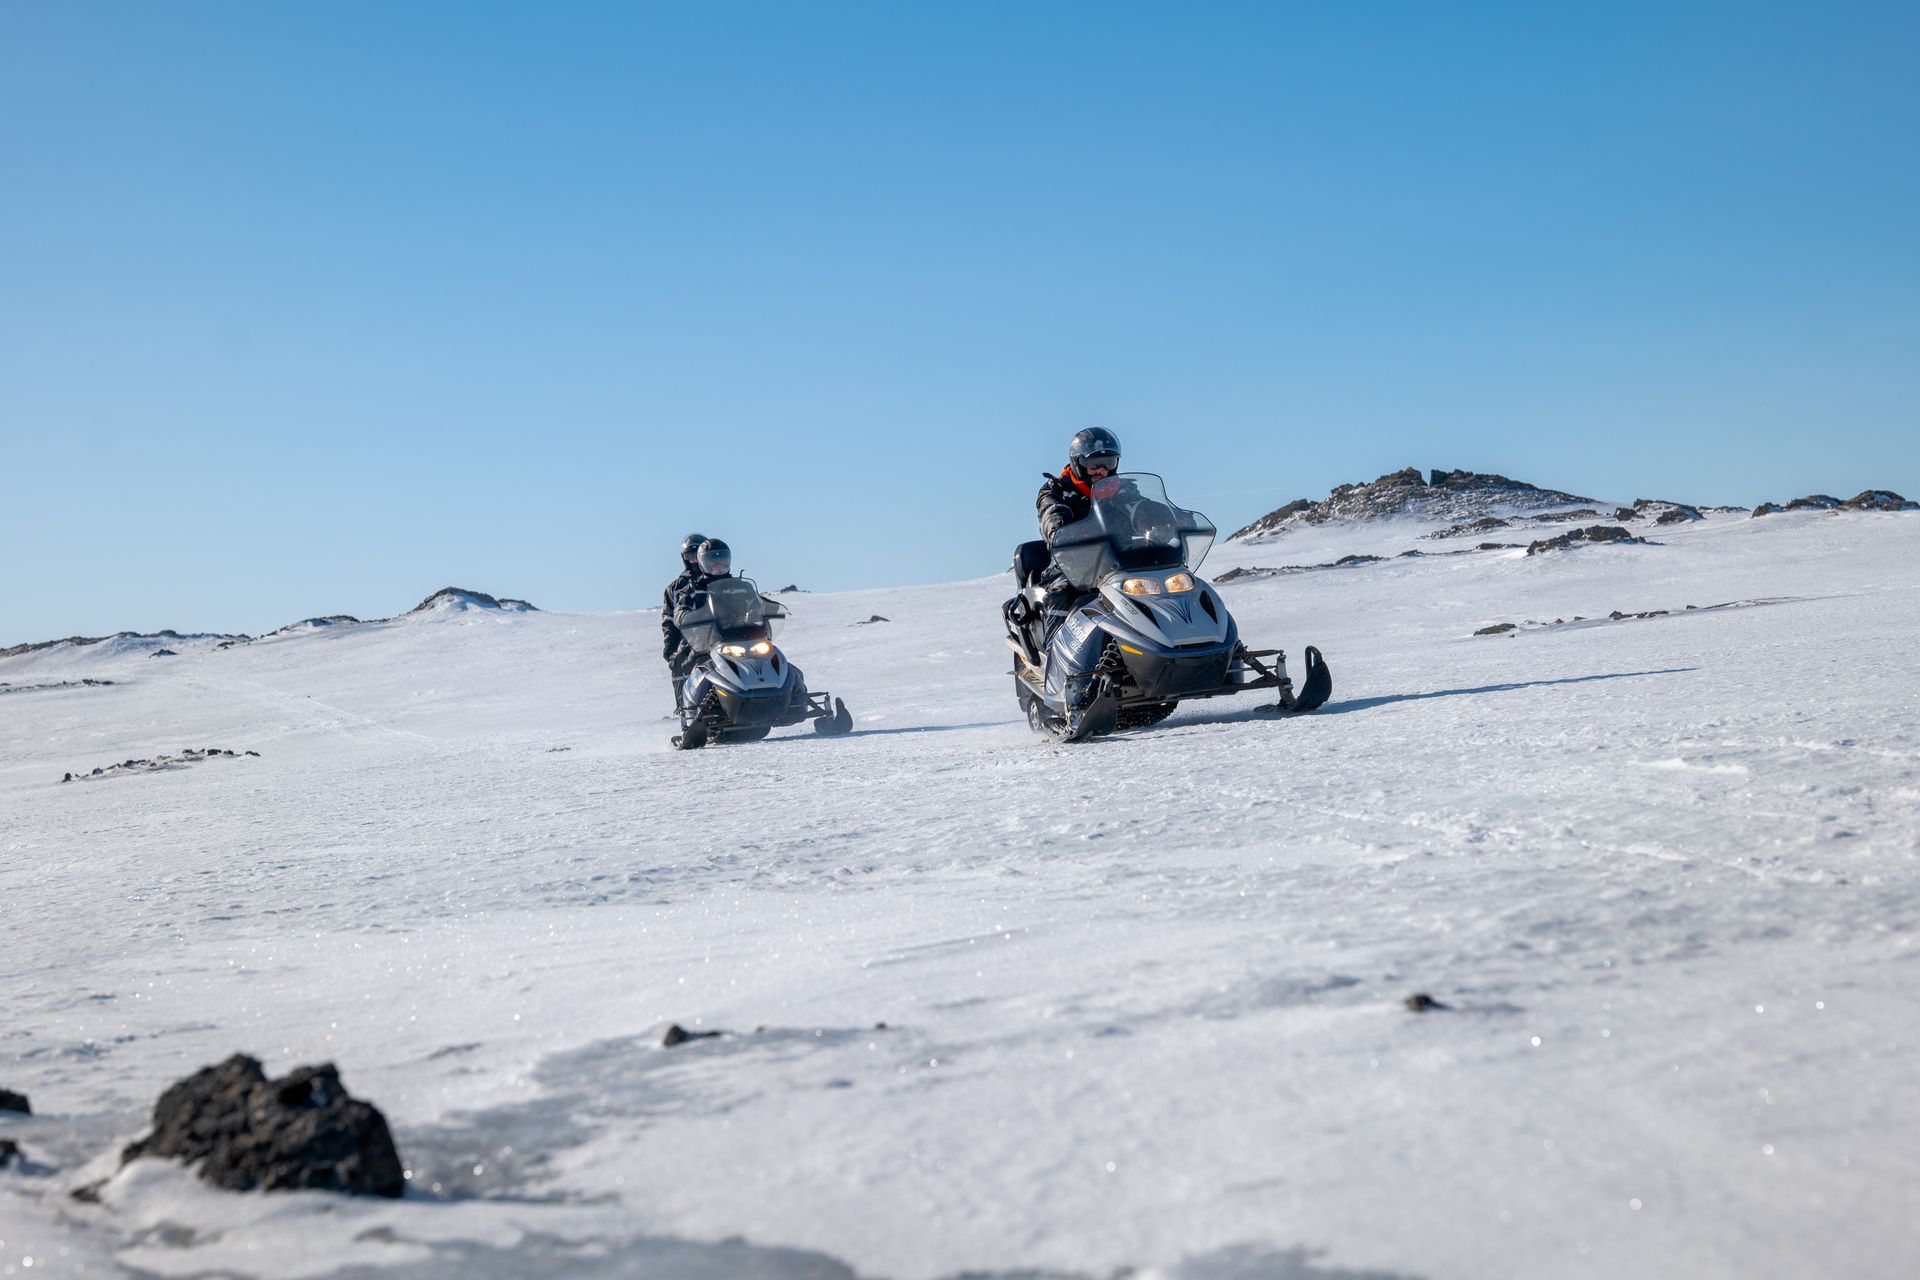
(866, 622)
(1878, 500)
(1421, 1002)
(248, 1133)
(1766, 509)
(79, 641)
(1575, 537)
(11, 1101)
(9, 1151)
(1485, 524)
(1445, 495)
(1813, 502)
(1497, 628)
(461, 598)
(677, 1035)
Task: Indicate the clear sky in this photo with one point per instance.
(312, 308)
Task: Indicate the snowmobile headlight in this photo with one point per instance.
(1178, 582)
(1141, 586)
(733, 650)
(763, 649)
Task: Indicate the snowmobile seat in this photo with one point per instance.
(1030, 560)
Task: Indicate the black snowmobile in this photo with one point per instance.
(743, 687)
(1135, 632)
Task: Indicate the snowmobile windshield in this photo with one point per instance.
(1132, 525)
(728, 610)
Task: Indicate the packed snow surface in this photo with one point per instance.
(1144, 999)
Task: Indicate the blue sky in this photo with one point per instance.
(309, 308)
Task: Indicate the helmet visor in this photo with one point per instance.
(715, 561)
(1109, 461)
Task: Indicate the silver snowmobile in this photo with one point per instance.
(743, 687)
(1145, 634)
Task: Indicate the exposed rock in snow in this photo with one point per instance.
(126, 639)
(1447, 495)
(9, 1149)
(1592, 533)
(318, 624)
(11, 1101)
(1879, 500)
(1497, 629)
(1485, 524)
(163, 653)
(1866, 500)
(677, 1034)
(871, 620)
(192, 755)
(247, 1133)
(88, 683)
(1664, 512)
(460, 599)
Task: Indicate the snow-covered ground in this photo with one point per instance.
(1143, 999)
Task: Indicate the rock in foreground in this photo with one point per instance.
(249, 1133)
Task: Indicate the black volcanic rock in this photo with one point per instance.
(11, 1101)
(1575, 537)
(319, 623)
(462, 598)
(1447, 495)
(248, 1133)
(77, 641)
(1485, 524)
(1879, 500)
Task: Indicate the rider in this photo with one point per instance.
(714, 560)
(672, 642)
(1092, 456)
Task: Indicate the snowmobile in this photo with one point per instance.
(1133, 631)
(742, 687)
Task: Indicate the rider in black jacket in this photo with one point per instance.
(1092, 455)
(674, 649)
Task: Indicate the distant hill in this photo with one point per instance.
(445, 600)
(1446, 496)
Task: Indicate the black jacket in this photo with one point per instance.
(671, 639)
(1060, 503)
(696, 584)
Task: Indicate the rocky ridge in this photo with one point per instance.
(1457, 496)
(445, 600)
(1865, 500)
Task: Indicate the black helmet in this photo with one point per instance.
(690, 548)
(1093, 446)
(716, 558)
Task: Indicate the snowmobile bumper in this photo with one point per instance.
(1168, 677)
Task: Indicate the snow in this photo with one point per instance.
(1142, 998)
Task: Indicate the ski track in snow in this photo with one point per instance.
(1142, 997)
